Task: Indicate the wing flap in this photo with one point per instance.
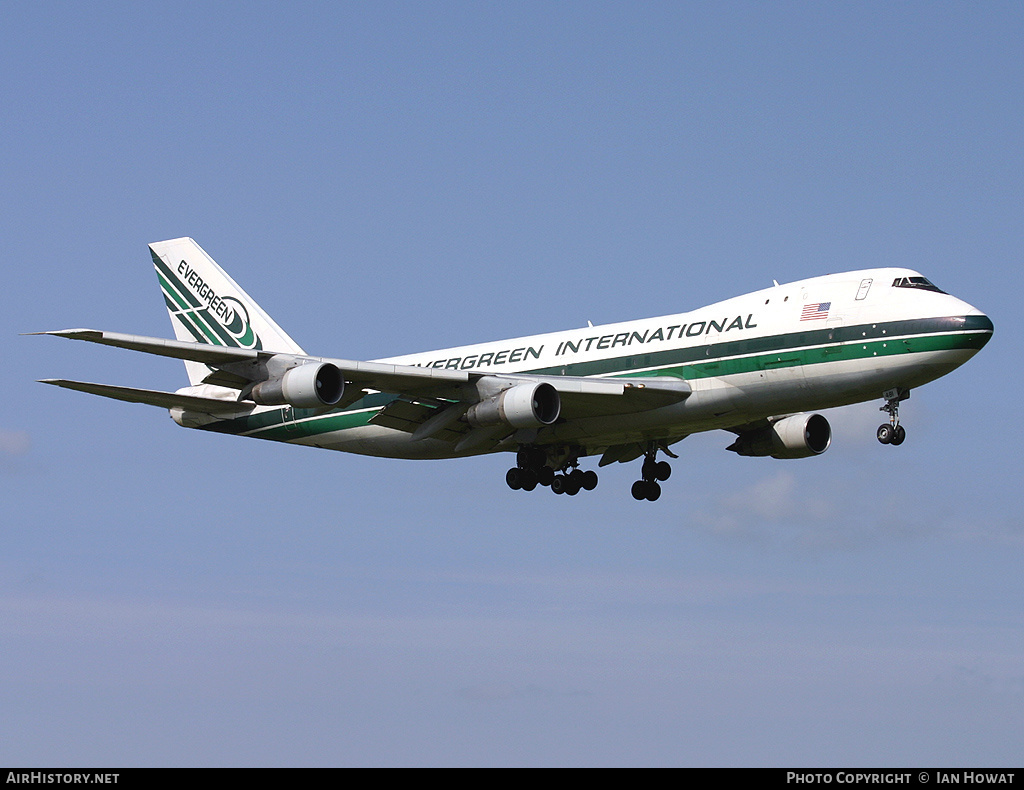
(583, 397)
(384, 377)
(403, 415)
(623, 453)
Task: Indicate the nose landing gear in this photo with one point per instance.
(892, 433)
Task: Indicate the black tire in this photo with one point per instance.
(884, 433)
(662, 470)
(590, 480)
(558, 484)
(545, 475)
(512, 477)
(653, 491)
(899, 435)
(639, 490)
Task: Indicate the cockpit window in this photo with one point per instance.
(923, 283)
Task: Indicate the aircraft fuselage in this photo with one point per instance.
(746, 358)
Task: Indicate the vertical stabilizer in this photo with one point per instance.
(207, 306)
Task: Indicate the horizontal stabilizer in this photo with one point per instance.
(179, 349)
(165, 400)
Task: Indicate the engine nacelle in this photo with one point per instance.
(798, 436)
(521, 406)
(309, 386)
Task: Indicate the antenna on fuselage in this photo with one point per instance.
(775, 283)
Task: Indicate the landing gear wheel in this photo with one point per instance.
(646, 489)
(651, 472)
(893, 433)
(530, 470)
(563, 475)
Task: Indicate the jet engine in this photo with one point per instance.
(797, 436)
(309, 386)
(528, 405)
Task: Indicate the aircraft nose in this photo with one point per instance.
(979, 324)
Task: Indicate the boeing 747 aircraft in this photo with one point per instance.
(756, 365)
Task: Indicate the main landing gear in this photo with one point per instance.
(892, 433)
(651, 472)
(532, 469)
(560, 471)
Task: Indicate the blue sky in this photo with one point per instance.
(394, 177)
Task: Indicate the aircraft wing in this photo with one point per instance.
(431, 400)
(428, 417)
(580, 398)
(370, 375)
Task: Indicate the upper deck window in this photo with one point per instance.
(916, 282)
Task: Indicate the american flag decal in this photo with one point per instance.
(812, 312)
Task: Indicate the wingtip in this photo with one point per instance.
(74, 334)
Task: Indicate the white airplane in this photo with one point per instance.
(756, 365)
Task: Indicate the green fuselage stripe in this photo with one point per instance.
(774, 352)
(736, 357)
(789, 346)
